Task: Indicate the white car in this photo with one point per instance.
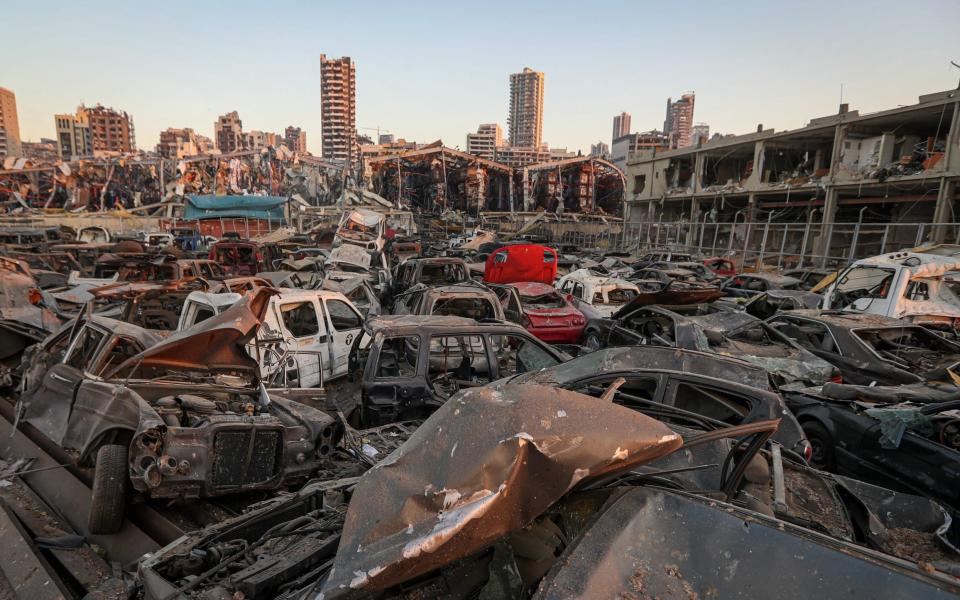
(918, 287)
(597, 295)
(309, 331)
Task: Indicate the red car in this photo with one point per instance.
(543, 311)
(721, 266)
(521, 262)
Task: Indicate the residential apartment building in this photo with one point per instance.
(600, 150)
(525, 122)
(700, 134)
(621, 125)
(111, 131)
(521, 156)
(338, 108)
(626, 145)
(228, 133)
(678, 124)
(178, 143)
(255, 140)
(73, 136)
(484, 142)
(295, 139)
(9, 125)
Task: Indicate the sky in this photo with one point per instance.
(435, 70)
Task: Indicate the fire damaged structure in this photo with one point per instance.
(845, 186)
(436, 178)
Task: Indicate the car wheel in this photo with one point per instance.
(109, 498)
(821, 443)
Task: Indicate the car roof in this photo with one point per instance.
(771, 277)
(850, 320)
(533, 288)
(655, 358)
(411, 324)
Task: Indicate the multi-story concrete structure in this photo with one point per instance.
(627, 144)
(385, 138)
(46, 150)
(295, 139)
(205, 145)
(178, 143)
(520, 156)
(255, 140)
(484, 142)
(678, 124)
(621, 125)
(228, 132)
(73, 136)
(700, 134)
(842, 187)
(338, 87)
(9, 125)
(525, 122)
(111, 131)
(600, 149)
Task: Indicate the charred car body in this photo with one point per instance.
(905, 437)
(183, 416)
(693, 389)
(707, 329)
(871, 349)
(407, 366)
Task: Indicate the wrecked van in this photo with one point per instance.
(303, 339)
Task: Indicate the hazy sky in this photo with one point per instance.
(429, 70)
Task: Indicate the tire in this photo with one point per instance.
(109, 498)
(821, 441)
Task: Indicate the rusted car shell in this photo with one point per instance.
(423, 508)
(213, 345)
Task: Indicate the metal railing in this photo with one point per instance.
(787, 244)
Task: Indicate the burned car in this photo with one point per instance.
(467, 299)
(180, 417)
(709, 329)
(746, 285)
(429, 271)
(27, 315)
(529, 491)
(413, 364)
(905, 437)
(871, 349)
(693, 389)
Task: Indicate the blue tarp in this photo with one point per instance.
(268, 208)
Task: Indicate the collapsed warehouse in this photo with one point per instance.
(437, 179)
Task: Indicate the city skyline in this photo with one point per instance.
(274, 80)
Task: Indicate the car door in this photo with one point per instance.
(344, 322)
(819, 340)
(302, 345)
(917, 465)
(49, 407)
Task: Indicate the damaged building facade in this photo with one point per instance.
(844, 186)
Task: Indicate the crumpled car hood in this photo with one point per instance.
(488, 462)
(216, 344)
